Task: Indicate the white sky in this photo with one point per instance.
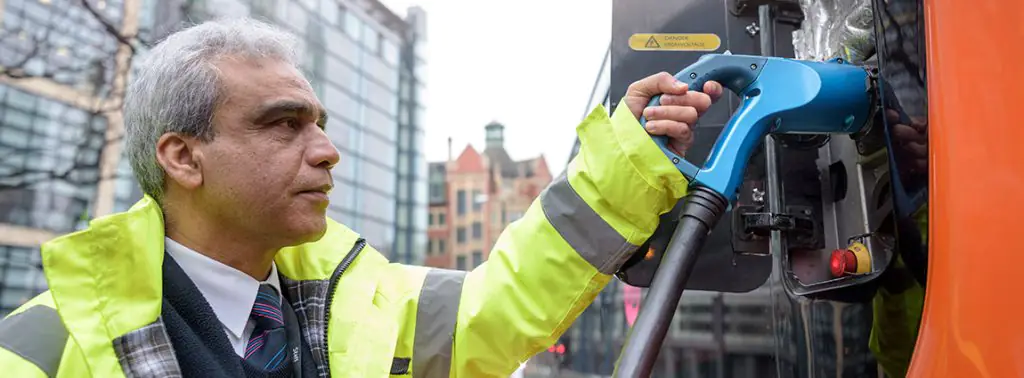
(529, 65)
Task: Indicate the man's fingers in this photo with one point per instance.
(680, 146)
(714, 90)
(679, 108)
(639, 94)
(892, 116)
(660, 83)
(685, 114)
(917, 149)
(667, 84)
(919, 125)
(698, 100)
(672, 91)
(908, 133)
(672, 129)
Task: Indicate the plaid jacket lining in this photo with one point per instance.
(147, 351)
(308, 298)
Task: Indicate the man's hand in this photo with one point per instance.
(911, 140)
(679, 107)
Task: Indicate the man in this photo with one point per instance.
(229, 266)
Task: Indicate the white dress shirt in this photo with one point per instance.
(230, 292)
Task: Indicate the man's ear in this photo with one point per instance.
(178, 156)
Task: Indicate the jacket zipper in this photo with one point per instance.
(349, 258)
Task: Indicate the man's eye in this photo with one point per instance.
(290, 122)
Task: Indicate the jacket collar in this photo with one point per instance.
(106, 280)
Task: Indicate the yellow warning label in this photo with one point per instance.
(674, 42)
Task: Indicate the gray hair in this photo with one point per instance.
(176, 88)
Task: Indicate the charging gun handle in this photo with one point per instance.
(734, 72)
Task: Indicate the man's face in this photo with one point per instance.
(267, 170)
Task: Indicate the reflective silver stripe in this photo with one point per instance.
(435, 323)
(583, 229)
(37, 335)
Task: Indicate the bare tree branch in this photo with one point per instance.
(40, 46)
(127, 41)
(17, 69)
(62, 47)
(87, 159)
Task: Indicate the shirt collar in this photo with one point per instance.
(230, 292)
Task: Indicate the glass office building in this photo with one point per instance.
(365, 63)
(58, 64)
(411, 215)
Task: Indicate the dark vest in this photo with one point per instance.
(202, 348)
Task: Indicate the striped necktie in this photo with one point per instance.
(267, 349)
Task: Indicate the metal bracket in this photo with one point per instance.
(763, 223)
(753, 29)
(752, 226)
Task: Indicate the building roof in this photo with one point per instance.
(469, 161)
(498, 161)
(498, 157)
(383, 14)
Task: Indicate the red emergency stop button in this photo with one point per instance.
(843, 262)
(854, 259)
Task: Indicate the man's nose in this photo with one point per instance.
(321, 152)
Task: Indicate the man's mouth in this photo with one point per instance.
(318, 193)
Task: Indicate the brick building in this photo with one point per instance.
(474, 196)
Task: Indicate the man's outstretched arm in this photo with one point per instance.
(546, 268)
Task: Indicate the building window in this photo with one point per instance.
(460, 263)
(50, 159)
(460, 235)
(21, 277)
(478, 258)
(341, 13)
(436, 193)
(441, 247)
(478, 231)
(70, 55)
(126, 190)
(262, 9)
(371, 39)
(494, 133)
(353, 26)
(461, 202)
(440, 219)
(478, 200)
(430, 219)
(390, 52)
(380, 46)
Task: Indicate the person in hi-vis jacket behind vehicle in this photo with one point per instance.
(229, 266)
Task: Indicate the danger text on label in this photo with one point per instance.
(679, 42)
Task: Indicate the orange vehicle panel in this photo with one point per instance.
(972, 320)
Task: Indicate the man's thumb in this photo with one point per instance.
(640, 92)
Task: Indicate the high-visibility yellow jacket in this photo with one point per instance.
(361, 315)
(897, 307)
